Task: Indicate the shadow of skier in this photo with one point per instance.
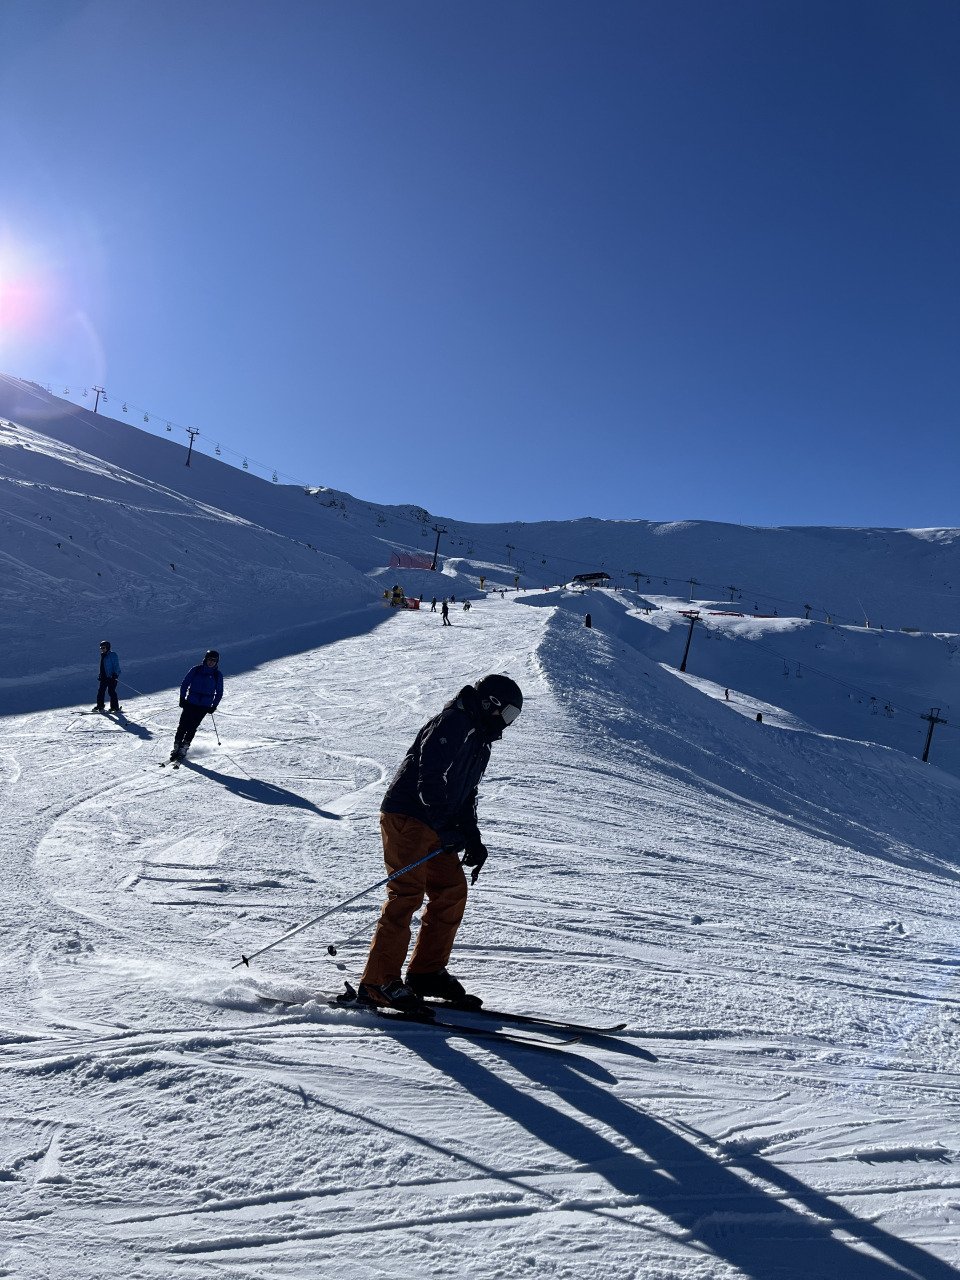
(260, 792)
(769, 1225)
(132, 726)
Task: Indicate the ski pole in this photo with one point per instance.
(214, 723)
(323, 915)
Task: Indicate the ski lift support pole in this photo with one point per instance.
(340, 905)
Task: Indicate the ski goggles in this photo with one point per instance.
(508, 713)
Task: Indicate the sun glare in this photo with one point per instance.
(25, 290)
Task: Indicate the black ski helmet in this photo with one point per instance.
(497, 692)
(104, 644)
(212, 653)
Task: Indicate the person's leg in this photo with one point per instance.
(114, 700)
(102, 691)
(405, 841)
(192, 714)
(446, 900)
(186, 727)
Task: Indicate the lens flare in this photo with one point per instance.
(26, 291)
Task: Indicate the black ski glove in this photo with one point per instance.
(475, 856)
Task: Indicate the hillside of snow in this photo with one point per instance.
(108, 534)
(770, 904)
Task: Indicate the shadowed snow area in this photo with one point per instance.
(770, 905)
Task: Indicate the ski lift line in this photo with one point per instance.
(222, 448)
(837, 680)
(149, 415)
(497, 547)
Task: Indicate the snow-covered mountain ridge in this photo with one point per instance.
(107, 532)
(902, 577)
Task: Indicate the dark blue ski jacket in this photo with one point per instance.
(203, 686)
(109, 665)
(438, 779)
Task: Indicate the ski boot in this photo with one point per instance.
(394, 995)
(442, 986)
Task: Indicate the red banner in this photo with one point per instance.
(409, 560)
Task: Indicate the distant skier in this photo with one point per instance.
(466, 606)
(433, 605)
(200, 695)
(109, 675)
(445, 614)
(432, 804)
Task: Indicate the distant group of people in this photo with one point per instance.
(445, 609)
(200, 693)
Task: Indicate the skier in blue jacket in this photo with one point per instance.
(200, 695)
(109, 675)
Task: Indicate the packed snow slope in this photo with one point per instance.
(772, 909)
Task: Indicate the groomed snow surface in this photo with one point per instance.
(784, 1102)
(771, 905)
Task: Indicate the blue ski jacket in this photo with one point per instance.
(203, 686)
(438, 779)
(109, 665)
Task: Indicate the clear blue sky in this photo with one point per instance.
(510, 259)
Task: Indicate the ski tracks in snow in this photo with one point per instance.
(799, 1120)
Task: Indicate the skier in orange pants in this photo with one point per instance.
(431, 807)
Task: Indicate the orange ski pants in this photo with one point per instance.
(441, 881)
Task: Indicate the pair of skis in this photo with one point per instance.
(569, 1032)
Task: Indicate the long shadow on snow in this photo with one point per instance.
(132, 727)
(754, 1229)
(259, 791)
